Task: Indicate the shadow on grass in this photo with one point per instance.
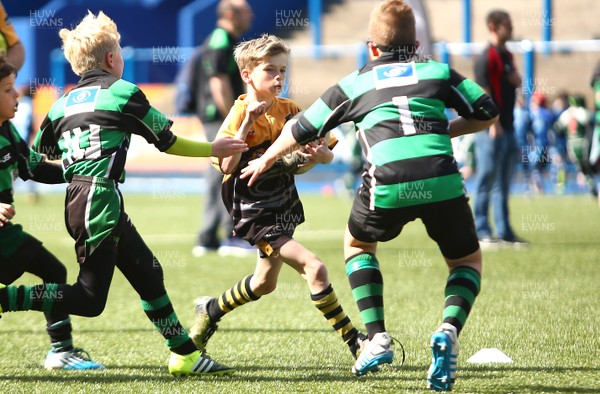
(152, 330)
(499, 367)
(400, 377)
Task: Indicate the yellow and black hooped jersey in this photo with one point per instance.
(273, 201)
(398, 106)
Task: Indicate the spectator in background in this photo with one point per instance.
(576, 123)
(523, 135)
(495, 148)
(220, 84)
(560, 158)
(9, 41)
(542, 120)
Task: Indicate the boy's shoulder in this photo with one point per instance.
(286, 106)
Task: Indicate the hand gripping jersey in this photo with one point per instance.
(90, 127)
(399, 110)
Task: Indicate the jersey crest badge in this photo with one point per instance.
(396, 74)
(81, 100)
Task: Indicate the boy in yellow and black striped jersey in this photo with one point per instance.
(267, 213)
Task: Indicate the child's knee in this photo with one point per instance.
(95, 307)
(58, 274)
(315, 270)
(94, 304)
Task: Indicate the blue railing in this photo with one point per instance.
(138, 60)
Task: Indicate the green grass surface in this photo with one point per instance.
(540, 306)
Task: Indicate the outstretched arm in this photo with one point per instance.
(48, 172)
(461, 126)
(221, 148)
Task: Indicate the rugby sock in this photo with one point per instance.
(60, 334)
(238, 295)
(29, 298)
(366, 282)
(461, 289)
(327, 302)
(161, 314)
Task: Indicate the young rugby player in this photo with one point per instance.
(397, 102)
(267, 214)
(91, 127)
(19, 251)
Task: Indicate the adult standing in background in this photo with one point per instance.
(495, 148)
(15, 52)
(220, 84)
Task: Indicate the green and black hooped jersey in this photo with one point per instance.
(90, 127)
(17, 160)
(399, 111)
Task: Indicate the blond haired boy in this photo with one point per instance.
(90, 128)
(268, 213)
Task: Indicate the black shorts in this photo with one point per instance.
(449, 223)
(272, 241)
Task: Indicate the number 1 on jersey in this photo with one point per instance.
(406, 120)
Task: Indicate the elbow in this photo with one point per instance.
(328, 159)
(226, 168)
(227, 171)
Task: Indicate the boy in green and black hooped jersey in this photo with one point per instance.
(397, 102)
(20, 252)
(90, 128)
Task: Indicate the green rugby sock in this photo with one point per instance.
(366, 282)
(462, 288)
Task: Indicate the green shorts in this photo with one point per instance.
(93, 213)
